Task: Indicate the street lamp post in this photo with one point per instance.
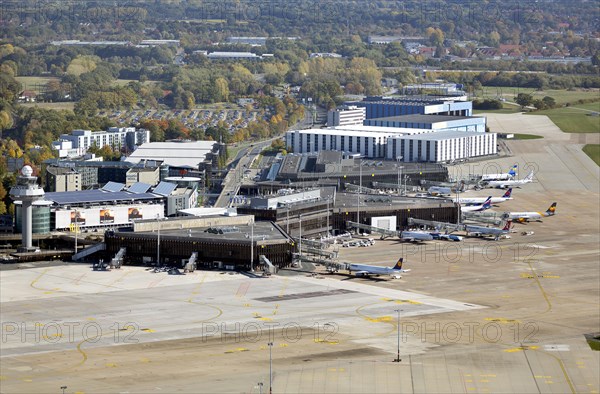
(252, 246)
(399, 158)
(157, 240)
(358, 196)
(76, 227)
(260, 386)
(63, 388)
(327, 216)
(270, 367)
(397, 360)
(287, 220)
(300, 222)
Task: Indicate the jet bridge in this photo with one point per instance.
(484, 217)
(117, 261)
(437, 225)
(190, 266)
(269, 267)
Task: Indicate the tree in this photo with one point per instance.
(549, 102)
(524, 99)
(221, 90)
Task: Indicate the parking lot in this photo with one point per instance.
(234, 118)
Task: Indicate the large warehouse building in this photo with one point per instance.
(381, 107)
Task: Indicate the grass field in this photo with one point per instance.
(573, 119)
(561, 96)
(593, 151)
(56, 106)
(519, 136)
(35, 84)
(506, 109)
(124, 82)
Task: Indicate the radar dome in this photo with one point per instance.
(27, 171)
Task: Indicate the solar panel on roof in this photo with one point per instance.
(113, 187)
(95, 196)
(164, 188)
(139, 187)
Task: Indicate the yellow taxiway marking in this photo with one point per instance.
(3, 377)
(520, 349)
(501, 320)
(381, 319)
(145, 360)
(326, 341)
(28, 380)
(239, 349)
(147, 330)
(111, 365)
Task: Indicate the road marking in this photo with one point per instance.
(242, 289)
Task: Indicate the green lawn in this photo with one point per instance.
(36, 84)
(506, 109)
(561, 96)
(519, 136)
(573, 120)
(593, 151)
(57, 106)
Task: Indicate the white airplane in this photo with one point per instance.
(366, 270)
(511, 183)
(480, 200)
(522, 217)
(415, 236)
(479, 231)
(477, 208)
(501, 177)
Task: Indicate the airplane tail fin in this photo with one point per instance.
(552, 209)
(507, 225)
(513, 170)
(488, 203)
(398, 265)
(530, 176)
(507, 194)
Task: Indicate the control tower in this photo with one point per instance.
(27, 191)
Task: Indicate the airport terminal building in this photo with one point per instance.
(393, 143)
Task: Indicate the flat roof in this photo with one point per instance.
(364, 131)
(187, 154)
(263, 231)
(446, 135)
(95, 196)
(421, 118)
(347, 201)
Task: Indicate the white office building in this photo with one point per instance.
(367, 141)
(115, 137)
(441, 146)
(413, 145)
(346, 116)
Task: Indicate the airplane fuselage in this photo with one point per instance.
(366, 270)
(481, 200)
